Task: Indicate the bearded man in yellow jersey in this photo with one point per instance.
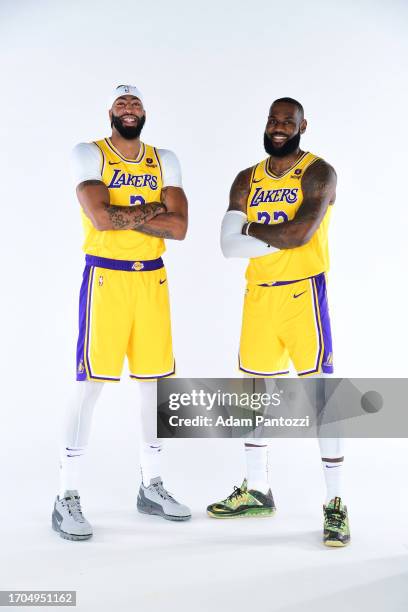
(278, 218)
(131, 198)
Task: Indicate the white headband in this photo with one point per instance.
(125, 90)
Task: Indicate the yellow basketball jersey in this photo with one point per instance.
(274, 199)
(131, 182)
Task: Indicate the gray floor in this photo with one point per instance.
(275, 564)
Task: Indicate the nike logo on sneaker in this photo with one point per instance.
(296, 295)
(113, 163)
(162, 281)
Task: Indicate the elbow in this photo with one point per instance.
(181, 232)
(100, 222)
(225, 247)
(301, 241)
(301, 237)
(100, 225)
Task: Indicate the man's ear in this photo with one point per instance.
(303, 126)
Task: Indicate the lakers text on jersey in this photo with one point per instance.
(285, 315)
(273, 200)
(124, 301)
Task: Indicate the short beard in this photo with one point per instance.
(289, 147)
(130, 133)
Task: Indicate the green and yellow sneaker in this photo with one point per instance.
(243, 503)
(336, 530)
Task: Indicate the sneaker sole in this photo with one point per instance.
(168, 517)
(262, 513)
(336, 543)
(69, 536)
(146, 506)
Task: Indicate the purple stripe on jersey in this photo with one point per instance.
(83, 295)
(159, 162)
(320, 284)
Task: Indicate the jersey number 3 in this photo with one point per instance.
(134, 200)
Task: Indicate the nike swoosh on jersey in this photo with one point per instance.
(258, 180)
(113, 163)
(162, 281)
(296, 295)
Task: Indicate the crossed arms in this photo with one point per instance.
(319, 191)
(165, 219)
(168, 218)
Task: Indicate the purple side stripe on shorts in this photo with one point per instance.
(320, 321)
(320, 284)
(83, 295)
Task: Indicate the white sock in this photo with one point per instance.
(150, 446)
(256, 455)
(332, 453)
(76, 432)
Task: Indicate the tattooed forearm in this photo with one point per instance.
(319, 191)
(159, 233)
(127, 217)
(171, 225)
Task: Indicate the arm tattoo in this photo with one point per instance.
(159, 233)
(240, 190)
(319, 187)
(127, 217)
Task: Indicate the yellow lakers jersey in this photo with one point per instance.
(276, 199)
(131, 182)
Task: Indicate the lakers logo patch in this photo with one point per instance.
(329, 360)
(137, 266)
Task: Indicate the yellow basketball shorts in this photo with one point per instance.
(283, 322)
(124, 310)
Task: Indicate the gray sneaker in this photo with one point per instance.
(154, 499)
(67, 518)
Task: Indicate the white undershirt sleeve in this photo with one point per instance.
(235, 244)
(171, 168)
(86, 161)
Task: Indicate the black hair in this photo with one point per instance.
(291, 101)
